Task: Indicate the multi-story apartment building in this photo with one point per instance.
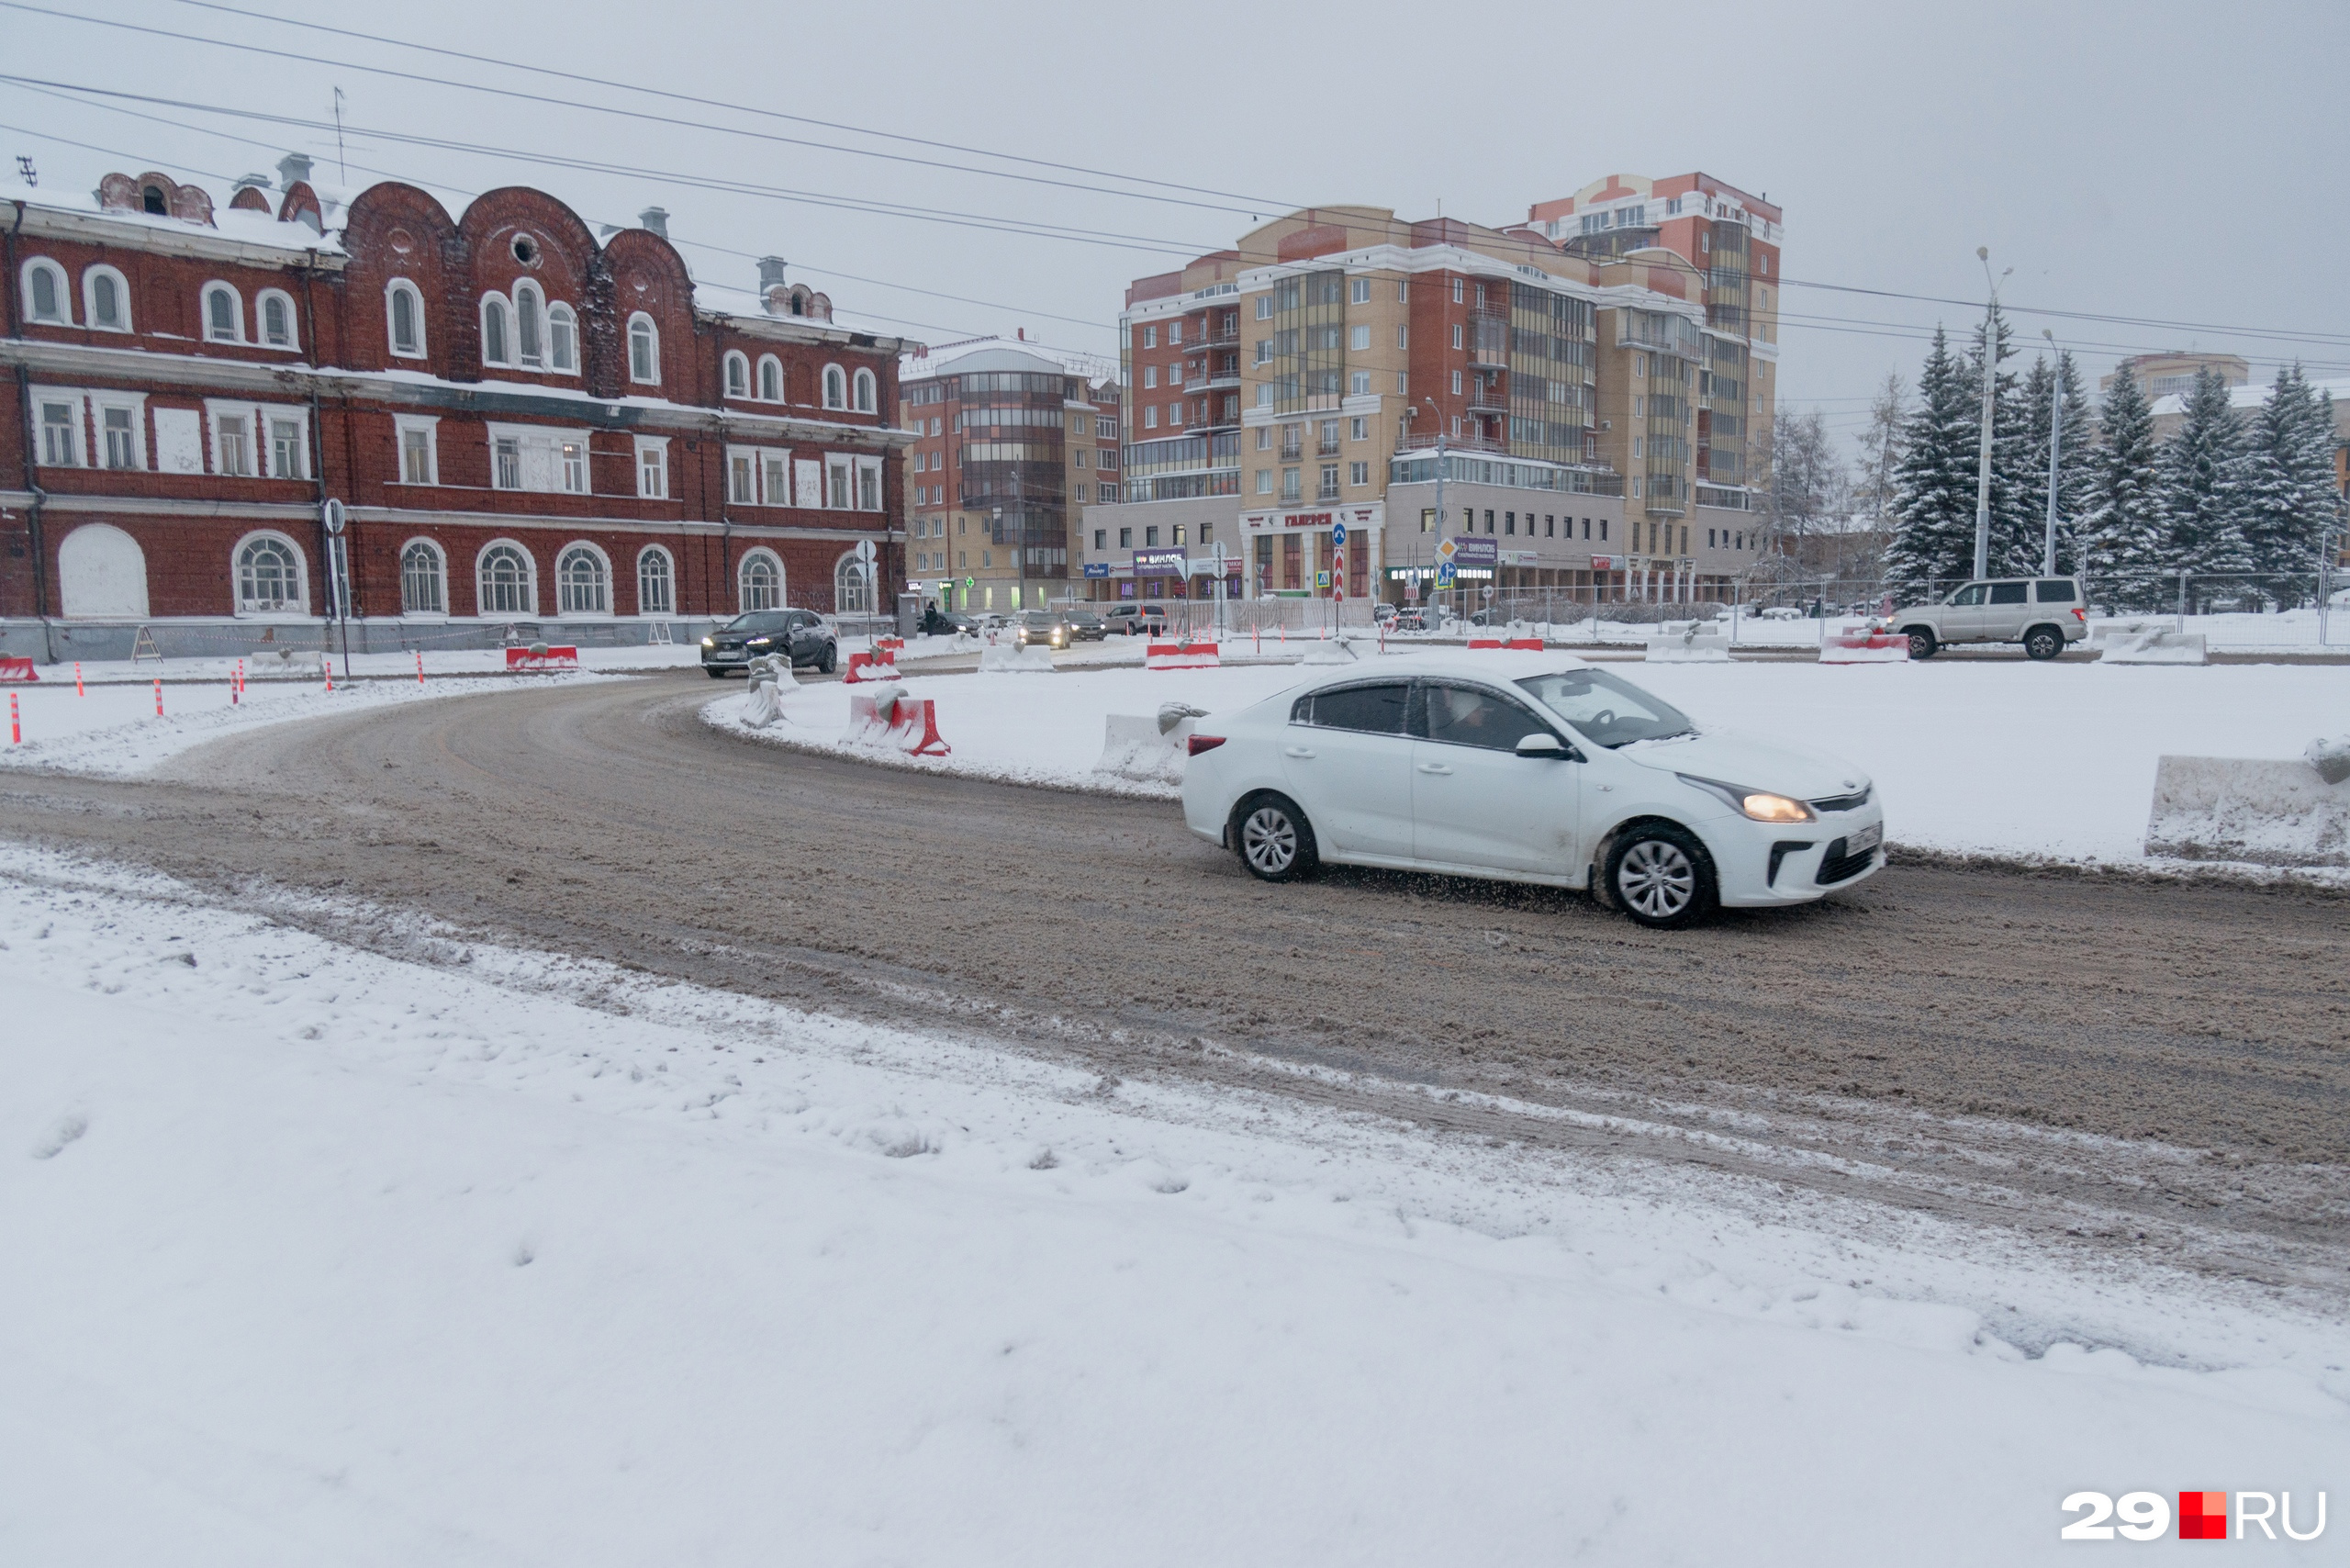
(2173, 374)
(1591, 413)
(1011, 443)
(522, 422)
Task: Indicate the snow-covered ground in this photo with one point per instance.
(2008, 758)
(317, 1256)
(112, 728)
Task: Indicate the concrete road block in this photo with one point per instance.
(1134, 745)
(1007, 658)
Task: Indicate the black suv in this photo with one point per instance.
(800, 632)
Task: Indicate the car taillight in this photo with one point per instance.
(1204, 743)
(2080, 614)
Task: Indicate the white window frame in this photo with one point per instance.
(840, 480)
(504, 357)
(426, 425)
(737, 360)
(540, 446)
(536, 312)
(43, 395)
(868, 581)
(869, 490)
(90, 276)
(397, 286)
(865, 393)
(1359, 336)
(1360, 291)
(653, 351)
(835, 387)
(136, 403)
(292, 343)
(300, 608)
(775, 476)
(300, 419)
(657, 448)
(60, 284)
(237, 311)
(529, 610)
(669, 579)
(768, 362)
(742, 573)
(441, 558)
(603, 561)
(562, 339)
(257, 418)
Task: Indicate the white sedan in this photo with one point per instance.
(1529, 767)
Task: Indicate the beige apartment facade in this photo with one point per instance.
(1325, 372)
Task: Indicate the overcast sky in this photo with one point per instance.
(2178, 165)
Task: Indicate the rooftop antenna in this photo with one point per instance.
(342, 168)
(25, 171)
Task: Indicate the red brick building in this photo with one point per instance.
(524, 421)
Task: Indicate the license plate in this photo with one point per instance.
(1868, 838)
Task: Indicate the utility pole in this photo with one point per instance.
(1990, 380)
(2056, 445)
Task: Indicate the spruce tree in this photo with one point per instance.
(2201, 492)
(2288, 498)
(2122, 530)
(2076, 466)
(1932, 542)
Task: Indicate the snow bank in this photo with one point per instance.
(316, 1256)
(2258, 812)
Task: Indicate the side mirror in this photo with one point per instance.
(1542, 745)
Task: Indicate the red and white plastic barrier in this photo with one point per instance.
(900, 722)
(1528, 645)
(889, 644)
(1863, 646)
(880, 665)
(19, 670)
(541, 658)
(1180, 656)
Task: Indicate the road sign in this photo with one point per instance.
(1338, 535)
(1444, 572)
(865, 552)
(1321, 579)
(1445, 552)
(334, 515)
(1411, 590)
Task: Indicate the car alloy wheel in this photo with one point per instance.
(1922, 644)
(1656, 878)
(1269, 839)
(2043, 643)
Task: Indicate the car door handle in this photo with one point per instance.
(1434, 767)
(1300, 752)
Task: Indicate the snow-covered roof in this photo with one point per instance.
(238, 224)
(2253, 394)
(743, 305)
(977, 354)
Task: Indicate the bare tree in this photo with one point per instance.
(1807, 510)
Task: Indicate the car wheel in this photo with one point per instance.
(2043, 643)
(713, 672)
(1274, 840)
(828, 658)
(1922, 643)
(1661, 876)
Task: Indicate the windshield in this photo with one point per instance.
(762, 621)
(1039, 621)
(1609, 712)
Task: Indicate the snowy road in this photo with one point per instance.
(2157, 1068)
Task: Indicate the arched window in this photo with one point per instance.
(224, 314)
(494, 348)
(507, 581)
(563, 338)
(583, 582)
(771, 379)
(276, 319)
(105, 299)
(851, 595)
(527, 332)
(761, 581)
(45, 299)
(657, 592)
(424, 579)
(865, 392)
(644, 350)
(835, 388)
(101, 572)
(738, 376)
(405, 307)
(269, 576)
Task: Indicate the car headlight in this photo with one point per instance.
(757, 641)
(1760, 805)
(709, 642)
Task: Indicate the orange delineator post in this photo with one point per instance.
(159, 699)
(419, 666)
(16, 729)
(77, 678)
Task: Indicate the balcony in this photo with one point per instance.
(1488, 339)
(1486, 396)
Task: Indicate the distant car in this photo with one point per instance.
(1779, 612)
(1529, 767)
(2042, 613)
(959, 623)
(1041, 629)
(800, 632)
(1406, 618)
(1084, 626)
(1137, 620)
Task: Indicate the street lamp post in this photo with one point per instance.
(1990, 380)
(1427, 591)
(2056, 445)
(995, 527)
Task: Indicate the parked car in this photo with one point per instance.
(801, 632)
(1137, 620)
(959, 623)
(1529, 767)
(2042, 613)
(1041, 628)
(1408, 618)
(1779, 612)
(1084, 626)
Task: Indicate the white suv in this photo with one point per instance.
(2042, 613)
